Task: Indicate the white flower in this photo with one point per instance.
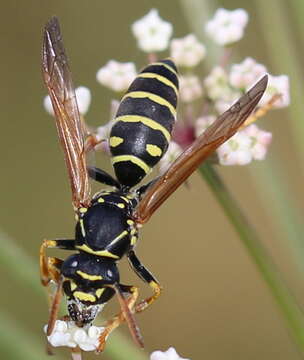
(83, 96)
(277, 85)
(116, 75)
(202, 123)
(170, 354)
(260, 140)
(66, 333)
(190, 88)
(235, 151)
(245, 74)
(187, 51)
(173, 152)
(227, 26)
(226, 101)
(216, 83)
(152, 33)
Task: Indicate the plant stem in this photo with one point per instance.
(258, 254)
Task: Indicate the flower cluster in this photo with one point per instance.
(170, 354)
(66, 333)
(201, 98)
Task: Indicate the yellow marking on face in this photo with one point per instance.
(153, 150)
(115, 141)
(119, 237)
(125, 199)
(100, 200)
(121, 205)
(133, 240)
(73, 285)
(99, 292)
(88, 276)
(133, 231)
(83, 210)
(146, 121)
(84, 296)
(82, 227)
(156, 98)
(160, 78)
(166, 66)
(130, 222)
(104, 253)
(133, 159)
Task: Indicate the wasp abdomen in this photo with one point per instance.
(144, 121)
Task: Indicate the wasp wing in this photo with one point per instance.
(57, 77)
(221, 130)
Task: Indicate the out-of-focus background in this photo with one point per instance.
(215, 304)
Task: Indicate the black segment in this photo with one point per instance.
(102, 176)
(155, 86)
(148, 108)
(136, 137)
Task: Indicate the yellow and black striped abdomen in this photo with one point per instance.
(144, 122)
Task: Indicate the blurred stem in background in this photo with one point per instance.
(26, 272)
(279, 40)
(247, 234)
(270, 178)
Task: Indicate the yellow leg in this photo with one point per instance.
(143, 304)
(118, 319)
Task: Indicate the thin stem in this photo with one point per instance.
(287, 304)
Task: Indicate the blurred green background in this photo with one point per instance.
(215, 304)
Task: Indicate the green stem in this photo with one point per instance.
(26, 272)
(280, 40)
(17, 344)
(287, 304)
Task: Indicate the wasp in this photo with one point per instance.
(108, 222)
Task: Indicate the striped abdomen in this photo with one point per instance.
(144, 121)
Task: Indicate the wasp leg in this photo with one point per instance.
(49, 267)
(119, 318)
(102, 177)
(146, 276)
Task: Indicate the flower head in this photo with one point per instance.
(170, 354)
(245, 74)
(83, 96)
(260, 140)
(187, 51)
(227, 26)
(152, 33)
(66, 333)
(190, 88)
(227, 99)
(235, 151)
(277, 85)
(216, 83)
(116, 75)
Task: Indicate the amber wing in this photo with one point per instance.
(221, 130)
(57, 77)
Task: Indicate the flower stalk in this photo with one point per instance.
(290, 310)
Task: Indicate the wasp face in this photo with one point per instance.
(82, 314)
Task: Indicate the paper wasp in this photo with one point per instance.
(107, 223)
